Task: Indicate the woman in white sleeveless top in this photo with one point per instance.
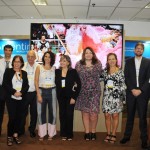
(46, 95)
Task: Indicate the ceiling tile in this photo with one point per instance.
(5, 11)
(50, 10)
(145, 13)
(75, 11)
(124, 13)
(134, 3)
(140, 19)
(1, 3)
(26, 12)
(18, 2)
(53, 2)
(75, 2)
(105, 2)
(100, 11)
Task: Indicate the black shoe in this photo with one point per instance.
(124, 140)
(32, 134)
(87, 136)
(93, 136)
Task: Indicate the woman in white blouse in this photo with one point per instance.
(46, 95)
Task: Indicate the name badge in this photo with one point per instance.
(18, 86)
(30, 76)
(110, 83)
(63, 83)
(48, 82)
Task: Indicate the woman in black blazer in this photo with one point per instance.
(67, 88)
(15, 83)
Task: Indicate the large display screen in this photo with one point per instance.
(72, 39)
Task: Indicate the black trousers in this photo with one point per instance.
(2, 106)
(29, 103)
(66, 114)
(15, 114)
(140, 104)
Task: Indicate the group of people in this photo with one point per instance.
(37, 85)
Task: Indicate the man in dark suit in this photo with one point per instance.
(4, 63)
(137, 76)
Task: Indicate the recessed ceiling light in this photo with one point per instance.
(39, 2)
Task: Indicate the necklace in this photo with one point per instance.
(19, 76)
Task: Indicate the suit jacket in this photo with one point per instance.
(7, 82)
(144, 75)
(71, 78)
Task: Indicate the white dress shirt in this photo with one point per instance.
(137, 67)
(31, 74)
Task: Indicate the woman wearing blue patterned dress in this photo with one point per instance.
(89, 69)
(113, 97)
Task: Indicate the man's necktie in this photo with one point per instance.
(7, 64)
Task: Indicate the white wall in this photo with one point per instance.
(22, 26)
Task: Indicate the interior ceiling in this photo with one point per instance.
(118, 10)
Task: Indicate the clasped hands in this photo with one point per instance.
(136, 92)
(18, 94)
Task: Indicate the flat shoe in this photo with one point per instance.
(69, 139)
(64, 138)
(50, 138)
(41, 138)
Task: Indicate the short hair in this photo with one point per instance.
(21, 59)
(139, 44)
(32, 52)
(8, 46)
(68, 59)
(52, 57)
(94, 59)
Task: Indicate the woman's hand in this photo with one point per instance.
(72, 101)
(39, 98)
(18, 94)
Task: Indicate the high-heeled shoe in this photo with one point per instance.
(87, 136)
(113, 139)
(108, 137)
(93, 136)
(16, 140)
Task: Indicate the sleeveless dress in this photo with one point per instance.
(89, 97)
(114, 92)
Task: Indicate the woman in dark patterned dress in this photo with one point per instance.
(89, 69)
(114, 96)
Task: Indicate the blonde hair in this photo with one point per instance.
(68, 59)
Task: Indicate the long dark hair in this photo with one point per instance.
(107, 64)
(52, 57)
(94, 58)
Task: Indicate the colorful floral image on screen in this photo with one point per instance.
(72, 39)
